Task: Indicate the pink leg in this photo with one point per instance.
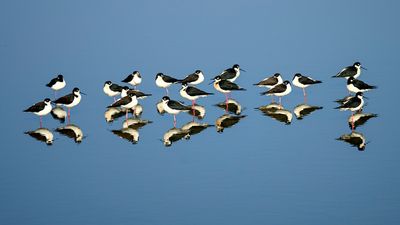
(126, 114)
(352, 122)
(280, 102)
(40, 118)
(69, 115)
(305, 95)
(166, 89)
(174, 121)
(193, 111)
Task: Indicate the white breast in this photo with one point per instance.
(75, 102)
(286, 92)
(296, 83)
(160, 83)
(58, 85)
(45, 111)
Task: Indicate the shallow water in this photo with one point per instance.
(266, 168)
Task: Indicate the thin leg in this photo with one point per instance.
(40, 118)
(166, 89)
(280, 102)
(305, 95)
(193, 112)
(115, 99)
(352, 122)
(126, 114)
(174, 121)
(226, 98)
(69, 115)
(55, 95)
(272, 99)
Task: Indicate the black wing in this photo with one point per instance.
(138, 93)
(122, 101)
(231, 120)
(67, 99)
(36, 107)
(277, 89)
(352, 103)
(67, 132)
(306, 80)
(190, 78)
(227, 85)
(169, 79)
(362, 85)
(128, 78)
(228, 74)
(177, 105)
(270, 81)
(347, 72)
(192, 91)
(116, 88)
(52, 82)
(37, 136)
(309, 110)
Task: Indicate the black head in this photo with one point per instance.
(357, 64)
(184, 85)
(135, 72)
(159, 75)
(60, 77)
(217, 78)
(197, 72)
(351, 79)
(359, 94)
(132, 94)
(108, 82)
(165, 98)
(297, 75)
(236, 66)
(126, 88)
(75, 90)
(47, 100)
(286, 82)
(277, 74)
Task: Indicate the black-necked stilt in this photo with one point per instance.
(111, 89)
(127, 102)
(135, 123)
(59, 113)
(270, 82)
(139, 95)
(192, 93)
(226, 86)
(70, 100)
(304, 82)
(303, 110)
(194, 128)
(195, 78)
(57, 83)
(231, 74)
(133, 79)
(356, 139)
(355, 85)
(172, 135)
(279, 90)
(359, 119)
(41, 109)
(72, 131)
(226, 121)
(130, 134)
(42, 134)
(341, 101)
(174, 107)
(164, 81)
(353, 104)
(351, 71)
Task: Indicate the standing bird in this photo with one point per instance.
(231, 74)
(192, 93)
(226, 86)
(57, 83)
(111, 89)
(353, 104)
(173, 107)
(279, 90)
(70, 100)
(355, 85)
(303, 82)
(270, 82)
(41, 109)
(351, 71)
(164, 81)
(133, 79)
(127, 102)
(139, 95)
(193, 79)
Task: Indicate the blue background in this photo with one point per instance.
(258, 172)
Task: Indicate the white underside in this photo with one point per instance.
(45, 111)
(132, 104)
(160, 83)
(109, 92)
(353, 89)
(135, 81)
(74, 102)
(198, 81)
(77, 131)
(286, 92)
(296, 83)
(58, 85)
(169, 110)
(45, 133)
(217, 87)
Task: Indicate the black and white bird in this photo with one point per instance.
(351, 71)
(172, 135)
(353, 104)
(111, 89)
(195, 78)
(304, 82)
(164, 81)
(355, 139)
(41, 109)
(42, 134)
(360, 118)
(59, 113)
(303, 110)
(139, 95)
(270, 82)
(70, 100)
(231, 74)
(174, 107)
(226, 86)
(279, 90)
(72, 131)
(194, 128)
(130, 134)
(133, 79)
(226, 121)
(127, 102)
(192, 93)
(57, 83)
(355, 85)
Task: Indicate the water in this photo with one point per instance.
(258, 171)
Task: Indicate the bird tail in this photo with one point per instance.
(241, 89)
(317, 82)
(264, 93)
(48, 85)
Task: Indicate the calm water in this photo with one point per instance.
(262, 170)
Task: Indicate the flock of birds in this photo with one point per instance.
(126, 99)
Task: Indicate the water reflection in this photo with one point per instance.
(173, 135)
(198, 111)
(71, 131)
(226, 121)
(193, 128)
(360, 119)
(230, 105)
(303, 110)
(160, 108)
(59, 113)
(128, 133)
(42, 134)
(355, 139)
(135, 123)
(277, 112)
(113, 113)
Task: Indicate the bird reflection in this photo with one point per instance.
(59, 113)
(230, 105)
(113, 113)
(135, 123)
(355, 139)
(303, 110)
(277, 112)
(160, 108)
(194, 128)
(226, 121)
(128, 133)
(71, 131)
(198, 111)
(173, 135)
(360, 119)
(42, 134)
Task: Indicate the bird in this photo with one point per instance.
(139, 95)
(194, 128)
(198, 111)
(303, 110)
(360, 119)
(281, 115)
(270, 82)
(226, 121)
(72, 131)
(351, 71)
(135, 123)
(279, 90)
(111, 89)
(192, 93)
(226, 86)
(231, 74)
(172, 135)
(164, 81)
(59, 113)
(127, 102)
(173, 107)
(40, 109)
(353, 104)
(57, 83)
(354, 85)
(304, 82)
(355, 139)
(70, 100)
(42, 134)
(193, 79)
(133, 79)
(130, 134)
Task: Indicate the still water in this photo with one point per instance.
(250, 162)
